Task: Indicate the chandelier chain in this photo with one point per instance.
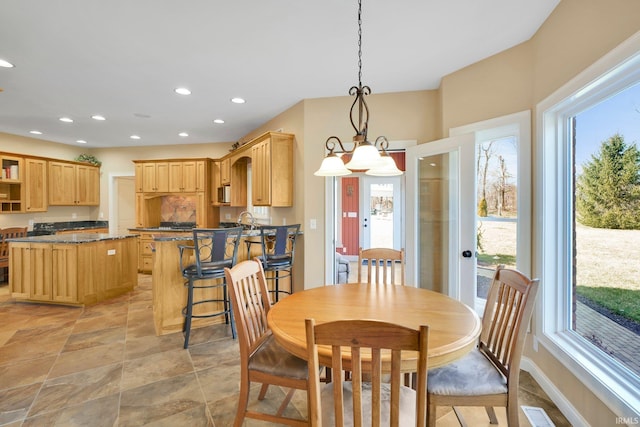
(360, 43)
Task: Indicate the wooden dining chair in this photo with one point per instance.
(371, 403)
(262, 359)
(489, 375)
(383, 266)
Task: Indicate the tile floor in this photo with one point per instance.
(104, 366)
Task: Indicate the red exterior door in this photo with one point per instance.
(350, 215)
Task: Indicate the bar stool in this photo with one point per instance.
(214, 249)
(278, 248)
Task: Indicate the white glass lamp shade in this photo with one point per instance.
(387, 167)
(365, 156)
(332, 165)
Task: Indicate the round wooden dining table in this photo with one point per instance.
(453, 326)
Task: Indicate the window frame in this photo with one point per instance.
(612, 383)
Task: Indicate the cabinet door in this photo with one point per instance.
(19, 269)
(35, 185)
(225, 172)
(162, 177)
(215, 182)
(176, 177)
(40, 271)
(140, 210)
(149, 177)
(202, 174)
(64, 273)
(190, 176)
(87, 185)
(139, 178)
(62, 185)
(261, 174)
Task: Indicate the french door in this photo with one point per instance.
(441, 235)
(445, 220)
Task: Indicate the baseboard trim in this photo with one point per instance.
(567, 409)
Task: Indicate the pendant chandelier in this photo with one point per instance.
(372, 158)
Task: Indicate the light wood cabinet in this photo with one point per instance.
(215, 182)
(239, 182)
(35, 185)
(272, 170)
(11, 185)
(72, 184)
(225, 172)
(44, 272)
(155, 177)
(145, 252)
(187, 176)
(72, 273)
(139, 179)
(155, 180)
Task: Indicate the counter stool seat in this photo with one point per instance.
(214, 250)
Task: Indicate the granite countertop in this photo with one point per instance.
(72, 238)
(169, 238)
(46, 228)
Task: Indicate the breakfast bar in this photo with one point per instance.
(169, 292)
(72, 269)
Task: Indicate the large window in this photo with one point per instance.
(588, 201)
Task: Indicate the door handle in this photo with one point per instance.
(467, 254)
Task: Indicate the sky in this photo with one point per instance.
(618, 114)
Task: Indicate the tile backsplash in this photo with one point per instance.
(178, 209)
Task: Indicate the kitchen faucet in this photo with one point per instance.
(243, 214)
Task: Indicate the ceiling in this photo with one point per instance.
(122, 59)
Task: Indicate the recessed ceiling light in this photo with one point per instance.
(66, 119)
(35, 132)
(183, 134)
(218, 121)
(238, 100)
(6, 64)
(81, 141)
(134, 137)
(183, 91)
(98, 117)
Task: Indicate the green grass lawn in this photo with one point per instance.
(623, 302)
(496, 259)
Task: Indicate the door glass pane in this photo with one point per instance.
(381, 208)
(437, 218)
(497, 209)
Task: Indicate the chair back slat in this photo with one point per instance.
(251, 304)
(5, 234)
(383, 266)
(373, 347)
(510, 300)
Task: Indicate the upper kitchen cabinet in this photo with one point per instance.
(11, 184)
(188, 176)
(272, 170)
(73, 184)
(35, 194)
(155, 177)
(225, 171)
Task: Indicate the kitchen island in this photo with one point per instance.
(72, 269)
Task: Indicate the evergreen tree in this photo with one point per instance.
(608, 190)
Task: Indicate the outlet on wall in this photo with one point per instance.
(74, 215)
(227, 216)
